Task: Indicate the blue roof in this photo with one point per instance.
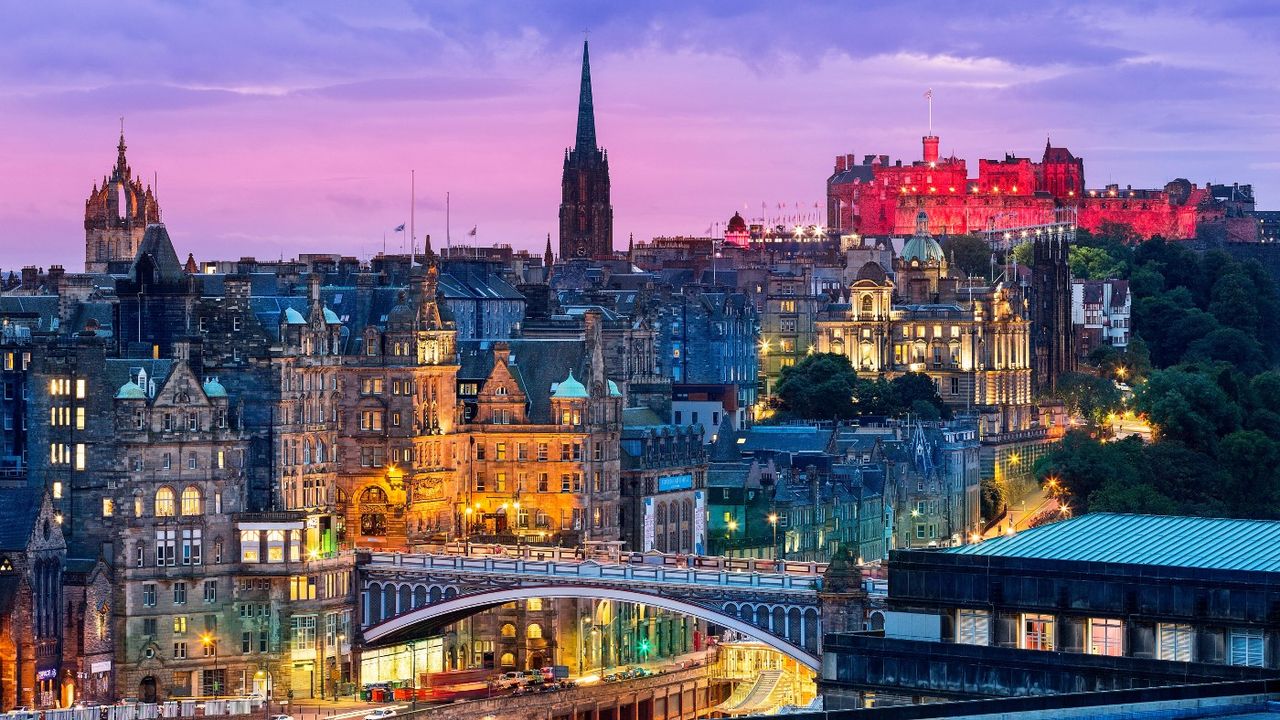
(570, 388)
(1169, 541)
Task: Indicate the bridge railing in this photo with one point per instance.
(628, 572)
(671, 560)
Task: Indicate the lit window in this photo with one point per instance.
(164, 506)
(57, 489)
(108, 507)
(80, 389)
(191, 501)
(1175, 642)
(1106, 636)
(1037, 632)
(973, 627)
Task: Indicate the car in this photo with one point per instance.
(381, 714)
(281, 717)
(510, 679)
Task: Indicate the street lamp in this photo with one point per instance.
(733, 525)
(773, 520)
(265, 677)
(211, 643)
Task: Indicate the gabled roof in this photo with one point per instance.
(19, 509)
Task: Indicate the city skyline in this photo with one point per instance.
(278, 131)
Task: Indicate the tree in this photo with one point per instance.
(1023, 254)
(1229, 345)
(1188, 407)
(1088, 396)
(970, 253)
(1092, 263)
(820, 387)
(912, 388)
(1079, 465)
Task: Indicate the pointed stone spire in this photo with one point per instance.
(190, 268)
(586, 138)
(122, 165)
(631, 247)
(547, 257)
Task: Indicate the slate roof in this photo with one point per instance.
(19, 508)
(536, 363)
(1168, 541)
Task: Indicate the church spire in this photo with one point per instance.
(122, 165)
(586, 138)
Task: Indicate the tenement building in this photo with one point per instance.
(1100, 602)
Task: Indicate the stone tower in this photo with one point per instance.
(116, 216)
(586, 217)
(1052, 333)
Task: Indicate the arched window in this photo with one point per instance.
(686, 513)
(164, 502)
(320, 448)
(508, 660)
(306, 452)
(867, 307)
(373, 494)
(533, 604)
(508, 630)
(372, 520)
(533, 631)
(190, 501)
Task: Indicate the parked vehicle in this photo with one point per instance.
(381, 714)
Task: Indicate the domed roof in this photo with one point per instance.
(613, 389)
(130, 391)
(331, 317)
(570, 388)
(873, 272)
(403, 315)
(214, 389)
(922, 246)
(737, 224)
(293, 317)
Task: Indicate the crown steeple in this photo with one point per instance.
(586, 138)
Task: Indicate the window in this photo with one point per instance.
(275, 546)
(190, 498)
(108, 507)
(250, 546)
(533, 631)
(57, 489)
(166, 461)
(179, 651)
(973, 627)
(191, 546)
(533, 604)
(148, 594)
(165, 550)
(543, 482)
(179, 593)
(303, 632)
(179, 624)
(542, 451)
(79, 418)
(80, 389)
(508, 630)
(371, 420)
(1106, 636)
(148, 626)
(1037, 632)
(211, 591)
(1175, 642)
(500, 451)
(1246, 647)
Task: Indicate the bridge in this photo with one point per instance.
(405, 596)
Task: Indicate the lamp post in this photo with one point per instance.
(211, 643)
(265, 676)
(773, 520)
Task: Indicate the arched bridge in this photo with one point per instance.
(408, 595)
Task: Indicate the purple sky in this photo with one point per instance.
(281, 127)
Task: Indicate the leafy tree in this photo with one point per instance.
(1092, 263)
(821, 386)
(1229, 345)
(913, 390)
(1089, 396)
(1079, 464)
(1023, 254)
(970, 253)
(1188, 407)
(1251, 460)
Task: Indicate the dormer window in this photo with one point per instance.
(500, 391)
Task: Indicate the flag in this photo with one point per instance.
(400, 227)
(928, 94)
(473, 231)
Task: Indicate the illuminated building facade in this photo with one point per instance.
(877, 197)
(973, 342)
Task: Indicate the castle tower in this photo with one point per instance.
(586, 217)
(116, 216)
(930, 149)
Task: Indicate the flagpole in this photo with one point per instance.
(413, 196)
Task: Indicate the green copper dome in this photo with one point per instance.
(570, 388)
(130, 391)
(922, 246)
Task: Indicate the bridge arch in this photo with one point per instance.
(402, 627)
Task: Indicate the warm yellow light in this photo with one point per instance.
(1013, 459)
(206, 639)
(733, 524)
(468, 511)
(773, 518)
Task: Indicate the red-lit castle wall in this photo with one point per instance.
(879, 198)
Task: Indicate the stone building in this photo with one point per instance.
(973, 342)
(586, 215)
(32, 619)
(116, 216)
(664, 484)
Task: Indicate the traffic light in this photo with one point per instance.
(643, 647)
